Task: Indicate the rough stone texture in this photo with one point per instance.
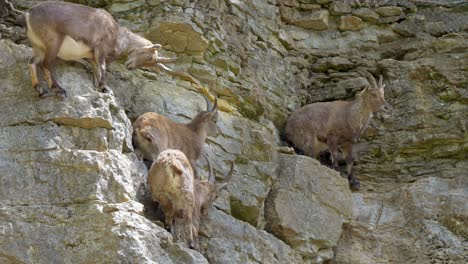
(339, 8)
(366, 14)
(69, 177)
(80, 183)
(305, 197)
(317, 20)
(352, 23)
(387, 11)
(229, 240)
(426, 222)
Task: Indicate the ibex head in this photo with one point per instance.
(213, 188)
(374, 94)
(208, 118)
(145, 56)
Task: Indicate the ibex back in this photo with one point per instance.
(336, 124)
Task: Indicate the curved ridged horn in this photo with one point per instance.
(227, 178)
(208, 103)
(215, 107)
(370, 78)
(165, 60)
(229, 174)
(211, 176)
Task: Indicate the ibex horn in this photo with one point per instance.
(215, 107)
(211, 177)
(227, 178)
(380, 81)
(370, 78)
(208, 103)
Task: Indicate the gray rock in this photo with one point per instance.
(335, 63)
(387, 11)
(432, 211)
(366, 14)
(317, 20)
(70, 185)
(351, 23)
(228, 240)
(76, 198)
(306, 196)
(339, 8)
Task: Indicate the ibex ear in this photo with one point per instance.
(148, 136)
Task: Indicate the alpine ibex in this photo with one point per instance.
(154, 133)
(80, 33)
(336, 124)
(182, 198)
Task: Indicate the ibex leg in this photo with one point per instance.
(48, 66)
(33, 62)
(333, 147)
(100, 71)
(96, 72)
(353, 182)
(311, 146)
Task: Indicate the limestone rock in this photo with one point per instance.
(75, 200)
(305, 195)
(366, 14)
(423, 222)
(228, 240)
(317, 20)
(339, 8)
(70, 185)
(388, 11)
(178, 37)
(335, 63)
(352, 23)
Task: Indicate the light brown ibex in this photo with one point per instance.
(183, 198)
(154, 133)
(336, 124)
(80, 33)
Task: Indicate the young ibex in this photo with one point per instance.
(154, 133)
(182, 197)
(81, 33)
(336, 124)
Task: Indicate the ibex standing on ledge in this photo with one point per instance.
(336, 124)
(154, 133)
(182, 197)
(76, 32)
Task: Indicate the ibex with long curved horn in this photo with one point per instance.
(183, 198)
(154, 133)
(81, 33)
(336, 124)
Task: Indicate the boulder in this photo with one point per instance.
(351, 23)
(308, 206)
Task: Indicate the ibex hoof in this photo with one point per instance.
(45, 94)
(61, 93)
(106, 89)
(354, 185)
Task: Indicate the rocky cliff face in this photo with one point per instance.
(73, 191)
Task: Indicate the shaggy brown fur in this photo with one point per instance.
(182, 198)
(336, 124)
(154, 133)
(81, 33)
